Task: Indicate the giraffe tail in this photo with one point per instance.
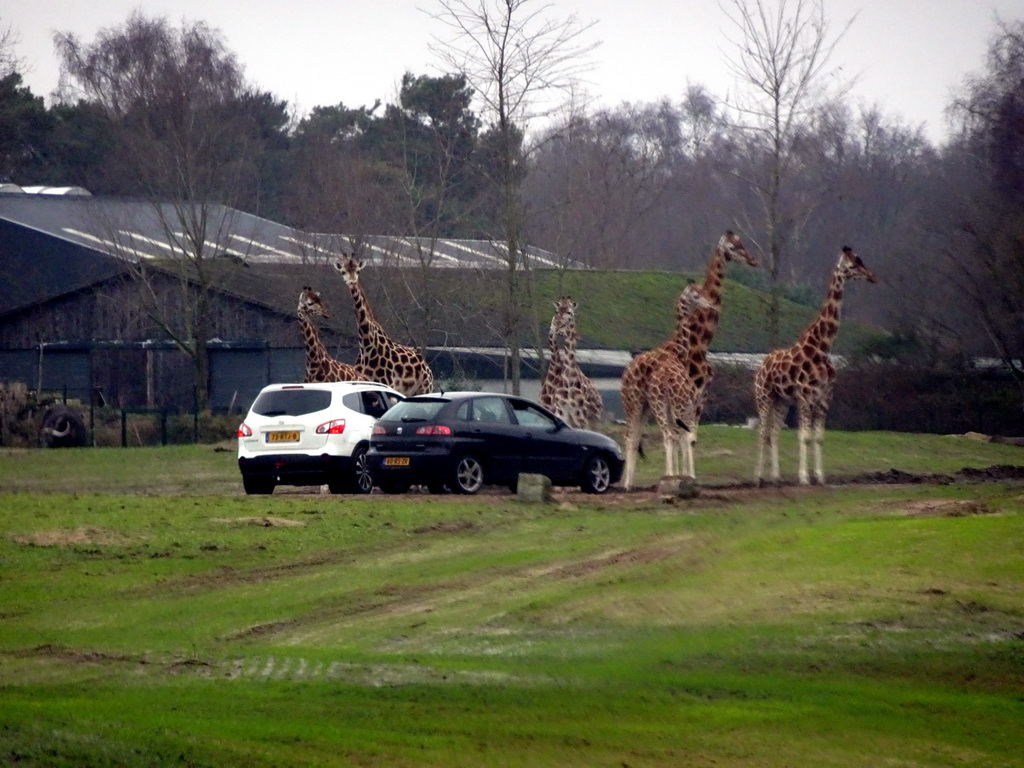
(640, 448)
(682, 425)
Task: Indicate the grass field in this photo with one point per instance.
(152, 615)
(636, 310)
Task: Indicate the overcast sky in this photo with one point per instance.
(907, 55)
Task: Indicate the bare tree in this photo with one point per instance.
(596, 178)
(518, 60)
(189, 133)
(986, 249)
(782, 57)
(9, 59)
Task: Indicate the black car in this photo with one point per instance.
(460, 441)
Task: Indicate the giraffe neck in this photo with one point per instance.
(316, 352)
(700, 327)
(821, 333)
(369, 329)
(571, 339)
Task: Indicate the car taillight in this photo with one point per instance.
(333, 427)
(244, 431)
(434, 429)
(379, 430)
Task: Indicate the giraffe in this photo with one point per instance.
(554, 376)
(672, 395)
(690, 342)
(320, 366)
(381, 359)
(804, 375)
(566, 390)
(660, 383)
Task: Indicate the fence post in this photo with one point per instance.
(124, 428)
(163, 426)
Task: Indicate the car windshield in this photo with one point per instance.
(291, 402)
(415, 410)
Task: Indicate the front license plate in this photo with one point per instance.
(282, 437)
(396, 461)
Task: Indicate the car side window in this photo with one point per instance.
(490, 410)
(462, 414)
(374, 404)
(529, 416)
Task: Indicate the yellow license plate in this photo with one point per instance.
(282, 437)
(396, 461)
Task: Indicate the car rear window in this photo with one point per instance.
(415, 410)
(291, 402)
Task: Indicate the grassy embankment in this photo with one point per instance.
(635, 311)
(153, 615)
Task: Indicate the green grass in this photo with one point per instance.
(636, 310)
(153, 615)
(724, 455)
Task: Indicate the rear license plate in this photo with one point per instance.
(396, 461)
(282, 437)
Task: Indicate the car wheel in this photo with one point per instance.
(362, 480)
(394, 486)
(597, 475)
(469, 475)
(257, 484)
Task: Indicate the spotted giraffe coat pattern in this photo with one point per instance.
(688, 345)
(380, 358)
(566, 390)
(320, 366)
(803, 375)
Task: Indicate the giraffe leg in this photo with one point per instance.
(632, 448)
(778, 419)
(818, 438)
(763, 431)
(671, 451)
(662, 415)
(691, 443)
(805, 426)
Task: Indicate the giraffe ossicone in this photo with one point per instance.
(803, 375)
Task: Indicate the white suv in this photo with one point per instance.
(311, 434)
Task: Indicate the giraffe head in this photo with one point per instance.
(349, 268)
(690, 300)
(310, 304)
(730, 246)
(563, 322)
(852, 268)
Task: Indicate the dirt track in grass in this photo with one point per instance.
(735, 492)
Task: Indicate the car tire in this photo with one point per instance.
(257, 485)
(394, 486)
(596, 475)
(468, 477)
(361, 480)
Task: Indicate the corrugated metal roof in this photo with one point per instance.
(142, 230)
